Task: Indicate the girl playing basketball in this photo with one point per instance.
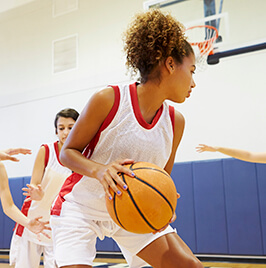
(119, 125)
(244, 155)
(47, 178)
(10, 209)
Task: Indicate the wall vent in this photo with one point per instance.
(65, 54)
(62, 7)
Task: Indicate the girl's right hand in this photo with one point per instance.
(108, 176)
(38, 227)
(33, 192)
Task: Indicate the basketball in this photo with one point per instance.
(149, 202)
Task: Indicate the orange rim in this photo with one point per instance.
(210, 40)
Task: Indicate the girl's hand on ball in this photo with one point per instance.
(171, 220)
(108, 176)
(162, 229)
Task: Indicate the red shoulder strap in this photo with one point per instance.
(172, 116)
(46, 155)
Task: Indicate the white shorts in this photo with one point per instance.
(75, 240)
(24, 253)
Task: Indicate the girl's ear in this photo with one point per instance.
(170, 64)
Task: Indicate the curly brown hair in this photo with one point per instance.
(151, 37)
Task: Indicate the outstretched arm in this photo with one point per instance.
(12, 211)
(8, 153)
(236, 153)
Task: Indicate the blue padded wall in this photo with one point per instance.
(221, 209)
(261, 179)
(242, 206)
(185, 222)
(107, 244)
(210, 210)
(2, 229)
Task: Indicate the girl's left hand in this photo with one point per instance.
(171, 220)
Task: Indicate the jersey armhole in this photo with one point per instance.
(88, 151)
(114, 109)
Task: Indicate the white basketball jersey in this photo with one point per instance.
(123, 134)
(54, 177)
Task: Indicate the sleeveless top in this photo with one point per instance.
(123, 134)
(53, 178)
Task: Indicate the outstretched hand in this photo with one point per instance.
(33, 192)
(8, 153)
(38, 227)
(205, 148)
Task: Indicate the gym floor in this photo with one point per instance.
(120, 263)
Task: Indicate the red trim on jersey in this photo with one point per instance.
(56, 148)
(137, 112)
(172, 116)
(46, 158)
(24, 210)
(67, 187)
(90, 148)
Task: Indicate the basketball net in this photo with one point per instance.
(201, 38)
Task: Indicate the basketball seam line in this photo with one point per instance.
(156, 191)
(132, 168)
(151, 169)
(116, 215)
(132, 198)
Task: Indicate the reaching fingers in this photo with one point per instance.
(46, 235)
(18, 151)
(27, 190)
(199, 148)
(173, 218)
(12, 158)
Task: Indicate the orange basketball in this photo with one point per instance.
(148, 204)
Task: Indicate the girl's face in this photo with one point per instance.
(64, 125)
(182, 79)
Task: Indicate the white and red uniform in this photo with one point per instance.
(81, 201)
(54, 176)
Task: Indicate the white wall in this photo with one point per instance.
(226, 108)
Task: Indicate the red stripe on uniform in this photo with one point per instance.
(24, 210)
(67, 187)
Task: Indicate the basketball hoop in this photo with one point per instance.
(203, 48)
